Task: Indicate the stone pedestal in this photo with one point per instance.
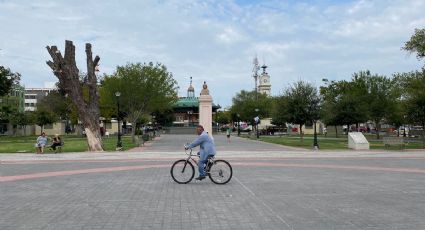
(356, 140)
(205, 109)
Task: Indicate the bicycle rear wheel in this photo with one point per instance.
(220, 172)
(182, 171)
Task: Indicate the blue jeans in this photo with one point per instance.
(201, 167)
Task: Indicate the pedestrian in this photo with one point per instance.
(228, 131)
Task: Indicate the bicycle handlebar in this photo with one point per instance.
(189, 151)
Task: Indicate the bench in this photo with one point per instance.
(58, 148)
(389, 141)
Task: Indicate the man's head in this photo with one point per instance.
(199, 129)
(43, 134)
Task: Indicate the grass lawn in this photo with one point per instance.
(25, 144)
(330, 143)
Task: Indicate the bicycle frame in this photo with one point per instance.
(190, 157)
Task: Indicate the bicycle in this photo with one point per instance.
(183, 171)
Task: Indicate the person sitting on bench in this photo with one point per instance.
(56, 142)
(41, 143)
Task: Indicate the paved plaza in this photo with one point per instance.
(273, 187)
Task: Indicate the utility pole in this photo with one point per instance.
(255, 69)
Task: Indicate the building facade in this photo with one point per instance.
(34, 95)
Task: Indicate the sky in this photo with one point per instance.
(215, 41)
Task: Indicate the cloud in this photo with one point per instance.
(215, 41)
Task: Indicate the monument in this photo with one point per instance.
(205, 109)
(357, 141)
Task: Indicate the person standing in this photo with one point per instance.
(228, 132)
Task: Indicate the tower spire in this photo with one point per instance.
(190, 90)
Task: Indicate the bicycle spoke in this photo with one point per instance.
(221, 172)
(182, 171)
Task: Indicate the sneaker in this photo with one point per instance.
(200, 178)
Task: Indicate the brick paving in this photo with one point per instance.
(278, 188)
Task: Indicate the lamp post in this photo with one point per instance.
(315, 144)
(119, 143)
(239, 124)
(154, 125)
(257, 120)
(189, 113)
(404, 126)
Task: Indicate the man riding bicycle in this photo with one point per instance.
(207, 148)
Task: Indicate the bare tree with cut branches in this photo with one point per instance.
(87, 103)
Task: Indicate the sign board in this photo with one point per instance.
(356, 140)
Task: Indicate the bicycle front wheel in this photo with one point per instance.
(182, 171)
(220, 172)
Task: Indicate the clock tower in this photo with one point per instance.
(264, 82)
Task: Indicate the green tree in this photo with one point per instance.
(58, 104)
(414, 98)
(346, 102)
(299, 104)
(328, 113)
(7, 80)
(145, 88)
(43, 117)
(416, 44)
(21, 120)
(245, 104)
(225, 117)
(280, 103)
(382, 99)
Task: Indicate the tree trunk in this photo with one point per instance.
(336, 131)
(377, 129)
(133, 131)
(423, 135)
(65, 69)
(301, 133)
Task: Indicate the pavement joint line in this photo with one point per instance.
(243, 158)
(15, 158)
(263, 203)
(260, 164)
(325, 166)
(76, 172)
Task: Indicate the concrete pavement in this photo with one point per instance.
(273, 188)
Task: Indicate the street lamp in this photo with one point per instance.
(239, 124)
(315, 144)
(154, 125)
(257, 120)
(119, 143)
(189, 113)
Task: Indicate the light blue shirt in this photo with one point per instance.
(206, 145)
(42, 141)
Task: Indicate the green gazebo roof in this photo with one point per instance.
(187, 102)
(190, 102)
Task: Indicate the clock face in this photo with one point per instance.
(265, 80)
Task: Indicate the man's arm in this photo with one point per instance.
(196, 142)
